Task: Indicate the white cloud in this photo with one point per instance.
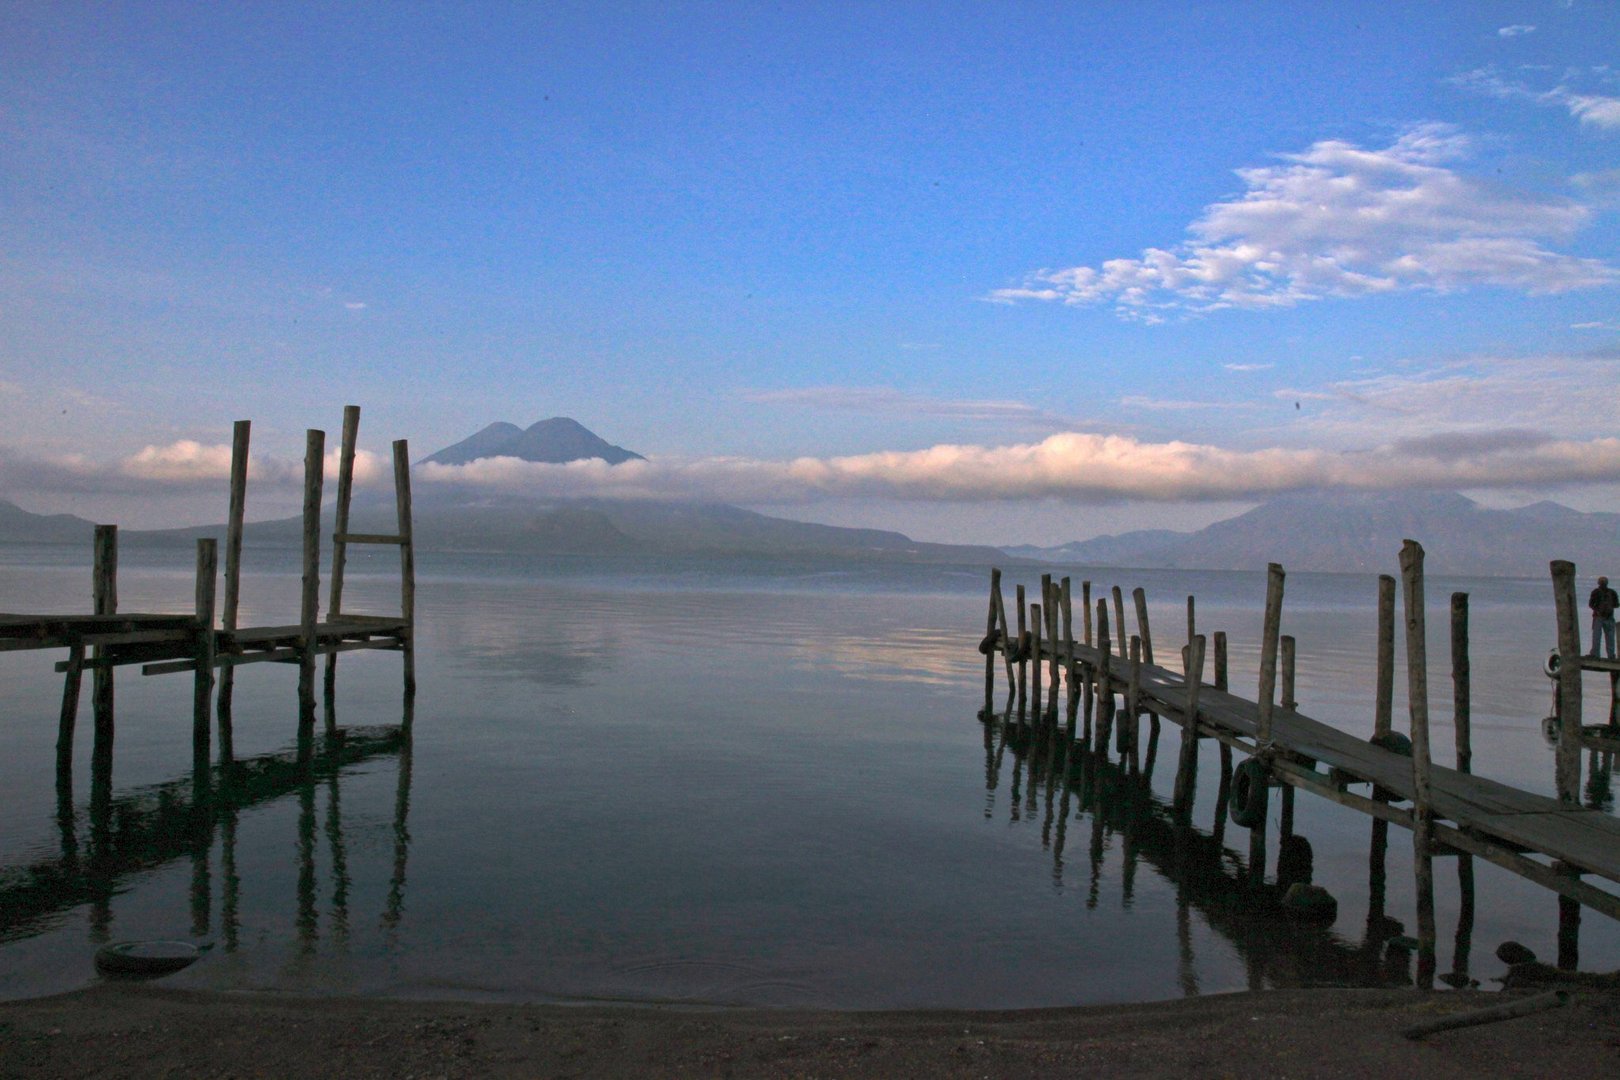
(354, 305)
(1133, 401)
(1594, 109)
(1248, 367)
(1075, 467)
(1595, 325)
(183, 464)
(1338, 220)
(1516, 30)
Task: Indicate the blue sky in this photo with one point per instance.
(986, 272)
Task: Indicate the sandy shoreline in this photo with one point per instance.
(146, 1030)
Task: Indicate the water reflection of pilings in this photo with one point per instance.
(116, 838)
(1234, 899)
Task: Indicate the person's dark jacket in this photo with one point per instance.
(1603, 601)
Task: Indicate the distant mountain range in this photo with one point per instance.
(1320, 532)
(1363, 532)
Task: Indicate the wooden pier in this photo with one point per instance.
(1553, 841)
(165, 643)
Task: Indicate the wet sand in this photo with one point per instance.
(143, 1030)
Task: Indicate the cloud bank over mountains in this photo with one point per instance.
(1337, 220)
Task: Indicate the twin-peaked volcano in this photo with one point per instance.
(554, 441)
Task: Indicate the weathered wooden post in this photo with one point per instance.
(1223, 791)
(1285, 824)
(1071, 669)
(1270, 632)
(68, 719)
(1461, 709)
(1417, 679)
(1187, 767)
(1383, 703)
(1119, 622)
(1569, 683)
(233, 577)
(407, 561)
(1105, 680)
(202, 694)
(1054, 647)
(340, 549)
(104, 588)
(1133, 702)
(990, 651)
(1139, 595)
(1035, 621)
(1461, 695)
(309, 607)
(1023, 663)
(1192, 623)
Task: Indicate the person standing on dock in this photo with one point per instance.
(1603, 601)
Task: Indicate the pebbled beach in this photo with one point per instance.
(128, 1030)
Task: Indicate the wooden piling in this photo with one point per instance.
(1104, 681)
(1268, 652)
(407, 561)
(1223, 791)
(1085, 606)
(233, 577)
(1133, 701)
(1139, 596)
(309, 608)
(1569, 683)
(1422, 812)
(340, 549)
(69, 716)
(1461, 694)
(1187, 767)
(1285, 820)
(1119, 622)
(1054, 647)
(990, 653)
(105, 598)
(1036, 619)
(1192, 622)
(1023, 664)
(202, 694)
(1070, 668)
(1383, 702)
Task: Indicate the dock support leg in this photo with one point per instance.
(105, 592)
(407, 562)
(1569, 683)
(1422, 812)
(990, 653)
(309, 609)
(233, 577)
(70, 715)
(202, 695)
(1187, 767)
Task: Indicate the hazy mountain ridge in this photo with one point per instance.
(555, 441)
(1362, 532)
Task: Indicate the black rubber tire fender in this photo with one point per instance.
(1247, 804)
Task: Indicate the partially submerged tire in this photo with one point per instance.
(1394, 742)
(145, 958)
(1310, 903)
(1247, 805)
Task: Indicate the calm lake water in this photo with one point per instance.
(722, 782)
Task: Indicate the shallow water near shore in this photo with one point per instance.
(750, 782)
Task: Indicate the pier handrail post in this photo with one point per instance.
(1383, 702)
(202, 694)
(1569, 682)
(1268, 653)
(407, 560)
(1187, 767)
(1417, 679)
(340, 549)
(104, 593)
(310, 600)
(233, 576)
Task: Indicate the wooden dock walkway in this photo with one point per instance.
(165, 643)
(1568, 848)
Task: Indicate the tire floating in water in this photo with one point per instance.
(146, 958)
